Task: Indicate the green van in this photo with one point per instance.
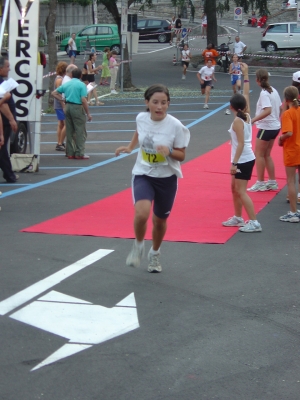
(99, 36)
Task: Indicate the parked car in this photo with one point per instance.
(288, 4)
(281, 35)
(99, 36)
(154, 29)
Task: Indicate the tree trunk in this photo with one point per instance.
(210, 9)
(52, 48)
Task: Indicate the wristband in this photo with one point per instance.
(170, 150)
(246, 80)
(234, 164)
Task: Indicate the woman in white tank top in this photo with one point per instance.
(242, 159)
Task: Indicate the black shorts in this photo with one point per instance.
(84, 77)
(206, 83)
(160, 190)
(91, 78)
(267, 134)
(185, 63)
(244, 170)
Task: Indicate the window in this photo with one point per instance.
(91, 31)
(295, 28)
(282, 28)
(141, 24)
(152, 23)
(104, 30)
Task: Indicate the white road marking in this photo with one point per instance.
(39, 287)
(84, 324)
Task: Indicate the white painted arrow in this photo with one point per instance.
(83, 323)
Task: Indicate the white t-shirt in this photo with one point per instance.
(72, 44)
(206, 73)
(238, 48)
(267, 99)
(185, 55)
(169, 132)
(204, 20)
(247, 154)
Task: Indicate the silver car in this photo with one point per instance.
(288, 4)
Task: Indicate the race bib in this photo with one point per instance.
(151, 158)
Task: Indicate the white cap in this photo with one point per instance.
(296, 76)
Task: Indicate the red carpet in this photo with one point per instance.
(203, 202)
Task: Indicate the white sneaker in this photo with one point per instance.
(250, 227)
(227, 112)
(113, 92)
(154, 263)
(234, 221)
(272, 185)
(290, 217)
(205, 106)
(258, 187)
(134, 257)
(183, 77)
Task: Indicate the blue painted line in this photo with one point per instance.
(101, 164)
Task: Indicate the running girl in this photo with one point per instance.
(242, 159)
(235, 71)
(290, 140)
(206, 76)
(185, 57)
(162, 140)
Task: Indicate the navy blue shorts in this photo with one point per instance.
(161, 191)
(244, 170)
(205, 83)
(267, 134)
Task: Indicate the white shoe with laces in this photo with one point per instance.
(290, 217)
(205, 106)
(234, 221)
(251, 226)
(258, 187)
(154, 263)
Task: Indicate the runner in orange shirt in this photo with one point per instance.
(210, 54)
(290, 141)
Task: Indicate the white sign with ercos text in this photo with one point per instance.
(23, 55)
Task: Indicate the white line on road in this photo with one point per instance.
(37, 288)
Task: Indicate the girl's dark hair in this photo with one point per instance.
(157, 88)
(297, 85)
(291, 94)
(239, 104)
(91, 55)
(107, 49)
(262, 76)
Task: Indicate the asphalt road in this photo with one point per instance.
(220, 322)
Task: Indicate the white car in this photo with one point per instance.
(281, 35)
(288, 4)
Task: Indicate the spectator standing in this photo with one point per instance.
(8, 111)
(185, 57)
(68, 75)
(267, 119)
(239, 47)
(76, 110)
(210, 53)
(173, 22)
(72, 48)
(205, 77)
(290, 141)
(59, 107)
(114, 66)
(105, 70)
(204, 25)
(178, 25)
(242, 160)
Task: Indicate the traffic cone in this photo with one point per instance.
(174, 60)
